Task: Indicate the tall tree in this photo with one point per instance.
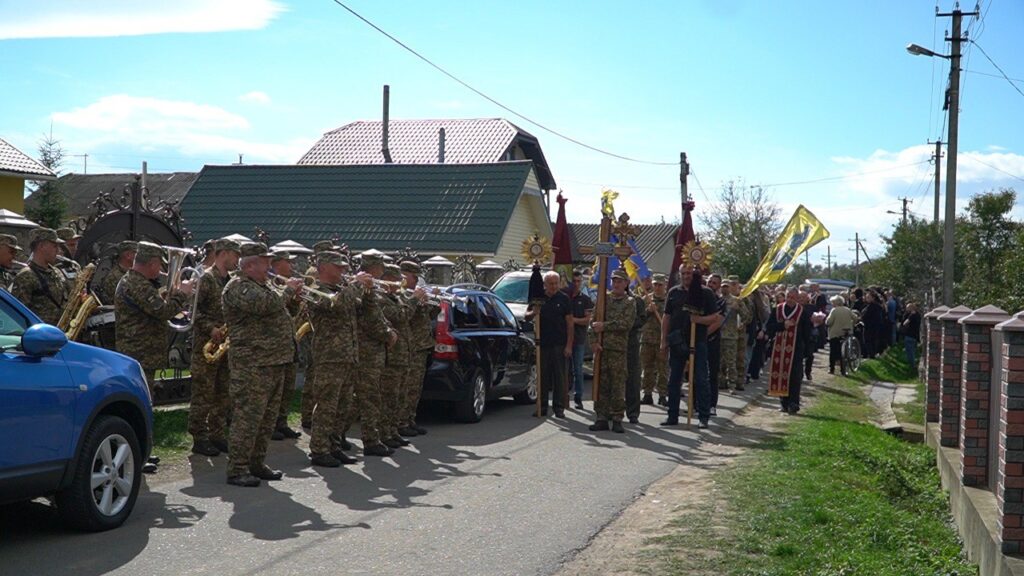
(912, 264)
(740, 227)
(49, 203)
(987, 239)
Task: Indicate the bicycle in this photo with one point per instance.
(850, 352)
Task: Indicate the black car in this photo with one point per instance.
(481, 353)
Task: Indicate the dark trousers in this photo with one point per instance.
(633, 381)
(701, 388)
(791, 403)
(835, 355)
(756, 359)
(808, 360)
(714, 365)
(552, 372)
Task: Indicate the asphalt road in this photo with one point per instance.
(511, 495)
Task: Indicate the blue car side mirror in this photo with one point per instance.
(43, 340)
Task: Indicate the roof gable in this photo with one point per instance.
(467, 141)
(17, 163)
(447, 208)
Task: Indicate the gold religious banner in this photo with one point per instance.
(538, 249)
(696, 255)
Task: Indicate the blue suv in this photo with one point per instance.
(76, 422)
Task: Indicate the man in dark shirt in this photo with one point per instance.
(675, 338)
(715, 343)
(556, 341)
(582, 307)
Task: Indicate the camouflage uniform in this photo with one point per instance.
(7, 274)
(208, 414)
(655, 363)
(374, 332)
(262, 345)
(421, 346)
(309, 376)
(43, 289)
(336, 352)
(745, 315)
(737, 315)
(288, 389)
(396, 367)
(141, 321)
(633, 360)
(108, 287)
(618, 319)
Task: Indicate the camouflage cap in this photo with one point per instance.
(65, 233)
(410, 267)
(254, 249)
(323, 245)
(733, 278)
(659, 278)
(331, 257)
(282, 255)
(371, 257)
(146, 251)
(10, 240)
(127, 246)
(44, 235)
(221, 244)
(392, 271)
(620, 274)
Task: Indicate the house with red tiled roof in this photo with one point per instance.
(15, 168)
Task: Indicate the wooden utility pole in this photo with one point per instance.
(684, 171)
(828, 259)
(937, 157)
(856, 258)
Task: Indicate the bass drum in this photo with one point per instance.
(99, 328)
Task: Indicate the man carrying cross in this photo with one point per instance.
(619, 313)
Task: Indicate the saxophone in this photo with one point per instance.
(212, 353)
(78, 300)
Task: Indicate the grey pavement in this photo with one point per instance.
(511, 495)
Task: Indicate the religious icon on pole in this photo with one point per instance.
(696, 257)
(538, 250)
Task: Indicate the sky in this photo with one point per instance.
(818, 101)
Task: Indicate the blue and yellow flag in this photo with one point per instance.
(803, 231)
(635, 266)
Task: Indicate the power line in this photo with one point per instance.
(1014, 176)
(985, 54)
(495, 102)
(992, 75)
(701, 188)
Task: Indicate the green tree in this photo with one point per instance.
(48, 202)
(912, 264)
(740, 227)
(986, 239)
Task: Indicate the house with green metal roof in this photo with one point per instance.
(484, 210)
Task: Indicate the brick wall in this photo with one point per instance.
(1010, 475)
(975, 393)
(933, 362)
(949, 376)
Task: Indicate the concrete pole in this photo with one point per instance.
(949, 227)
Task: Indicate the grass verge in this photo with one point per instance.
(829, 496)
(892, 366)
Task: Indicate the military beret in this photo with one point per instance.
(620, 274)
(254, 249)
(44, 235)
(659, 278)
(9, 240)
(410, 267)
(127, 246)
(146, 251)
(323, 245)
(65, 233)
(221, 244)
(392, 271)
(331, 257)
(371, 257)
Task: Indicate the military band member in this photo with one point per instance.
(208, 413)
(9, 250)
(336, 352)
(209, 257)
(281, 264)
(309, 378)
(40, 285)
(375, 336)
(421, 346)
(618, 319)
(65, 255)
(633, 366)
(125, 258)
(655, 361)
(396, 365)
(141, 311)
(262, 345)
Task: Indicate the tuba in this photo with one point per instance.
(176, 274)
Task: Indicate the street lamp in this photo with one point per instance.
(918, 50)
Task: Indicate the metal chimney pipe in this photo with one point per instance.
(384, 126)
(440, 146)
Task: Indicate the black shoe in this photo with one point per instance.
(149, 468)
(307, 424)
(244, 480)
(617, 427)
(808, 377)
(598, 426)
(344, 443)
(634, 420)
(324, 461)
(391, 443)
(401, 441)
(560, 414)
(376, 450)
(205, 448)
(343, 458)
(408, 432)
(663, 400)
(794, 410)
(267, 473)
(288, 432)
(702, 424)
(714, 411)
(219, 444)
(153, 460)
(647, 400)
(578, 400)
(276, 435)
(669, 422)
(420, 429)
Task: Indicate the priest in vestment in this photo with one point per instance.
(790, 326)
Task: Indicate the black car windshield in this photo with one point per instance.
(513, 289)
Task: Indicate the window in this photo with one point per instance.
(513, 289)
(12, 326)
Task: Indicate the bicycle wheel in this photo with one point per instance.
(854, 359)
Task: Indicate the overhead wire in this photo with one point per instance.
(993, 62)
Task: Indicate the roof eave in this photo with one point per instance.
(35, 176)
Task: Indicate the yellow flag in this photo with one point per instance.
(607, 196)
(802, 232)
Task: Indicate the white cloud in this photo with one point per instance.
(96, 18)
(147, 125)
(255, 97)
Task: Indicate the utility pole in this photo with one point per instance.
(856, 258)
(904, 211)
(684, 171)
(828, 259)
(952, 139)
(937, 157)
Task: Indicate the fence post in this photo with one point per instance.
(976, 410)
(949, 385)
(1010, 475)
(933, 362)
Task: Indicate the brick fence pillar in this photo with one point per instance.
(933, 362)
(976, 412)
(949, 376)
(1010, 474)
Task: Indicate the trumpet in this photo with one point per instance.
(307, 293)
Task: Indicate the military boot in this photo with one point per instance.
(205, 448)
(264, 472)
(617, 427)
(324, 460)
(648, 399)
(220, 444)
(408, 432)
(376, 450)
(599, 426)
(244, 480)
(343, 458)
